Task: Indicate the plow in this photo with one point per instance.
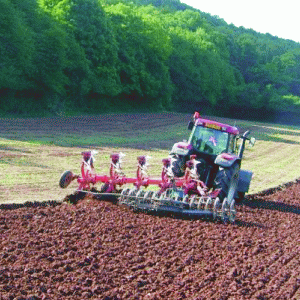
(186, 196)
(199, 179)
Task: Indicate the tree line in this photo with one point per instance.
(93, 56)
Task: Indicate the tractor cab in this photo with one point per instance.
(212, 141)
(213, 138)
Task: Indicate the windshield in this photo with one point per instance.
(209, 140)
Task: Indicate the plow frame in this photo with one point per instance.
(184, 196)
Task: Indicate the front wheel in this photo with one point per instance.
(177, 166)
(227, 180)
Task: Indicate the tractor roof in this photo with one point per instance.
(215, 125)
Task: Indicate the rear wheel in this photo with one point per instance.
(227, 180)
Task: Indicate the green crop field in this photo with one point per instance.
(34, 152)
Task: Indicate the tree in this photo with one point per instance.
(144, 48)
(16, 48)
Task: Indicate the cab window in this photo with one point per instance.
(232, 144)
(209, 140)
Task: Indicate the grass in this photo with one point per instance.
(107, 138)
(32, 161)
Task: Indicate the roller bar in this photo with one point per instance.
(175, 210)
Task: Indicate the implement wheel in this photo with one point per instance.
(65, 179)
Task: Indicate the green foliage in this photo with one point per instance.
(143, 50)
(78, 72)
(97, 55)
(249, 95)
(50, 60)
(59, 9)
(199, 71)
(16, 49)
(93, 32)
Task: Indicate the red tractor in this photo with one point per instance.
(214, 146)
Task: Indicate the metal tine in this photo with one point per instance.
(232, 212)
(148, 198)
(123, 195)
(201, 203)
(138, 196)
(132, 196)
(225, 210)
(192, 200)
(185, 199)
(217, 208)
(208, 203)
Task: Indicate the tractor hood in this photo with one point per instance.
(181, 148)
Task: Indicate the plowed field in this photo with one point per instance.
(98, 250)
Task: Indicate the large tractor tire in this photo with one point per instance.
(177, 166)
(227, 180)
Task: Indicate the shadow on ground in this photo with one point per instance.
(272, 205)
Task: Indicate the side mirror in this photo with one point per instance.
(252, 141)
(190, 125)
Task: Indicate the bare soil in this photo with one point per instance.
(99, 250)
(126, 125)
(111, 122)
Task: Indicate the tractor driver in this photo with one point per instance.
(217, 142)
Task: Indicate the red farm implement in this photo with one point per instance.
(201, 177)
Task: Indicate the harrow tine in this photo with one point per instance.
(139, 196)
(156, 196)
(192, 201)
(225, 211)
(201, 203)
(124, 194)
(177, 198)
(163, 196)
(185, 199)
(232, 212)
(216, 208)
(131, 198)
(209, 204)
(148, 196)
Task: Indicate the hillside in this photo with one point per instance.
(66, 57)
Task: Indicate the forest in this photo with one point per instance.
(62, 57)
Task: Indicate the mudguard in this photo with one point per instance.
(226, 160)
(245, 177)
(181, 148)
